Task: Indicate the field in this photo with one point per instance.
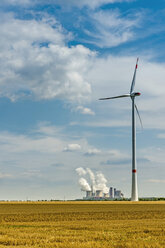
(82, 224)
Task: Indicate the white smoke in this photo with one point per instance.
(101, 182)
(84, 184)
(92, 178)
(80, 171)
(98, 180)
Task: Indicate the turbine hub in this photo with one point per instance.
(135, 94)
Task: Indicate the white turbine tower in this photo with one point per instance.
(132, 95)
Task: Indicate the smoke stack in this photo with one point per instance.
(111, 192)
(114, 192)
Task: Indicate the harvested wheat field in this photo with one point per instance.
(82, 224)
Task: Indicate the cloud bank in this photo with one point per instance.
(79, 4)
(35, 62)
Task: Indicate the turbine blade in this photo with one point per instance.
(113, 97)
(139, 116)
(134, 77)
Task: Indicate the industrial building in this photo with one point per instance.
(100, 195)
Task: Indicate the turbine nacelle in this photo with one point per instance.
(134, 94)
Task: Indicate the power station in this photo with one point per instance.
(97, 188)
(100, 195)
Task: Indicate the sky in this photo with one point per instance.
(57, 58)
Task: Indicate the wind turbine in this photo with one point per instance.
(132, 95)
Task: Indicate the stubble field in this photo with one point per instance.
(82, 224)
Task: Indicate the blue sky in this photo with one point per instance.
(56, 59)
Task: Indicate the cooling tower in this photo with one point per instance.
(99, 193)
(106, 195)
(88, 193)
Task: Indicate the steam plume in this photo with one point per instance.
(80, 171)
(84, 184)
(92, 178)
(101, 182)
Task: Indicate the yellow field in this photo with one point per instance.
(82, 224)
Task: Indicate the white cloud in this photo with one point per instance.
(14, 143)
(161, 136)
(91, 3)
(46, 129)
(40, 148)
(45, 139)
(116, 154)
(72, 148)
(111, 29)
(30, 68)
(4, 175)
(36, 62)
(156, 181)
(85, 111)
(115, 157)
(63, 3)
(15, 2)
(154, 154)
(93, 151)
(107, 123)
(31, 173)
